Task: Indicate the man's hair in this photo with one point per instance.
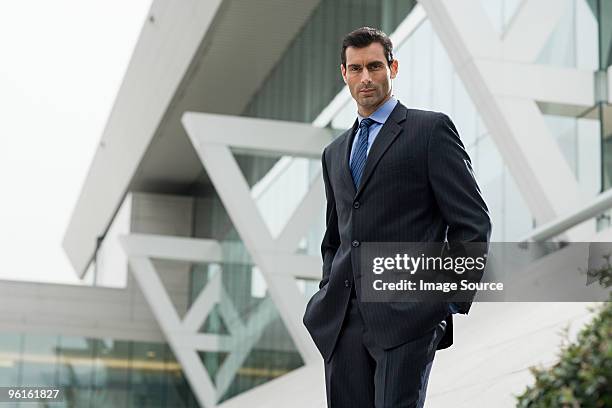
(364, 36)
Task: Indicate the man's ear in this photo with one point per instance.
(394, 67)
(343, 72)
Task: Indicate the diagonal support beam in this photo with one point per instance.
(201, 307)
(249, 336)
(235, 195)
(528, 32)
(515, 123)
(308, 209)
(169, 322)
(183, 336)
(212, 137)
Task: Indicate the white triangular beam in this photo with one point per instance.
(213, 136)
(183, 336)
(516, 124)
(234, 192)
(530, 28)
(169, 322)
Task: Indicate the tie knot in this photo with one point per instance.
(366, 123)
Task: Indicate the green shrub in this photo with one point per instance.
(581, 378)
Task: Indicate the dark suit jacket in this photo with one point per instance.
(417, 186)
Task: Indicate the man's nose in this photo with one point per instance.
(365, 76)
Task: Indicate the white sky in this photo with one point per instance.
(61, 65)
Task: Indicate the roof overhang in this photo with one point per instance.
(204, 56)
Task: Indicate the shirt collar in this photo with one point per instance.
(382, 113)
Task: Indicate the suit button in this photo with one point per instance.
(356, 205)
(355, 244)
(347, 284)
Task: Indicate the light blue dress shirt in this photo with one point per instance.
(380, 116)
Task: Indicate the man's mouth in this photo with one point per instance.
(368, 90)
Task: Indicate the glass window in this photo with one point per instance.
(39, 360)
(517, 219)
(96, 372)
(147, 375)
(10, 359)
(75, 369)
(248, 314)
(111, 368)
(489, 172)
(603, 10)
(178, 391)
(573, 42)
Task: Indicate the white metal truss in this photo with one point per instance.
(505, 83)
(212, 136)
(183, 335)
(276, 258)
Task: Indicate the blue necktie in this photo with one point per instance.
(360, 154)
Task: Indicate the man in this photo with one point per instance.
(399, 175)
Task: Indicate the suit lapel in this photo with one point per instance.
(388, 133)
(345, 151)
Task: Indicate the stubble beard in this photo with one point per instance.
(372, 102)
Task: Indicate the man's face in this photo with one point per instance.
(368, 76)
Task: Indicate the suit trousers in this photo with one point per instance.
(361, 374)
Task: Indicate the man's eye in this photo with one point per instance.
(354, 69)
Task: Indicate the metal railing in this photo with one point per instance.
(602, 203)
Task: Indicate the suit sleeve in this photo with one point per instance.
(331, 239)
(456, 191)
